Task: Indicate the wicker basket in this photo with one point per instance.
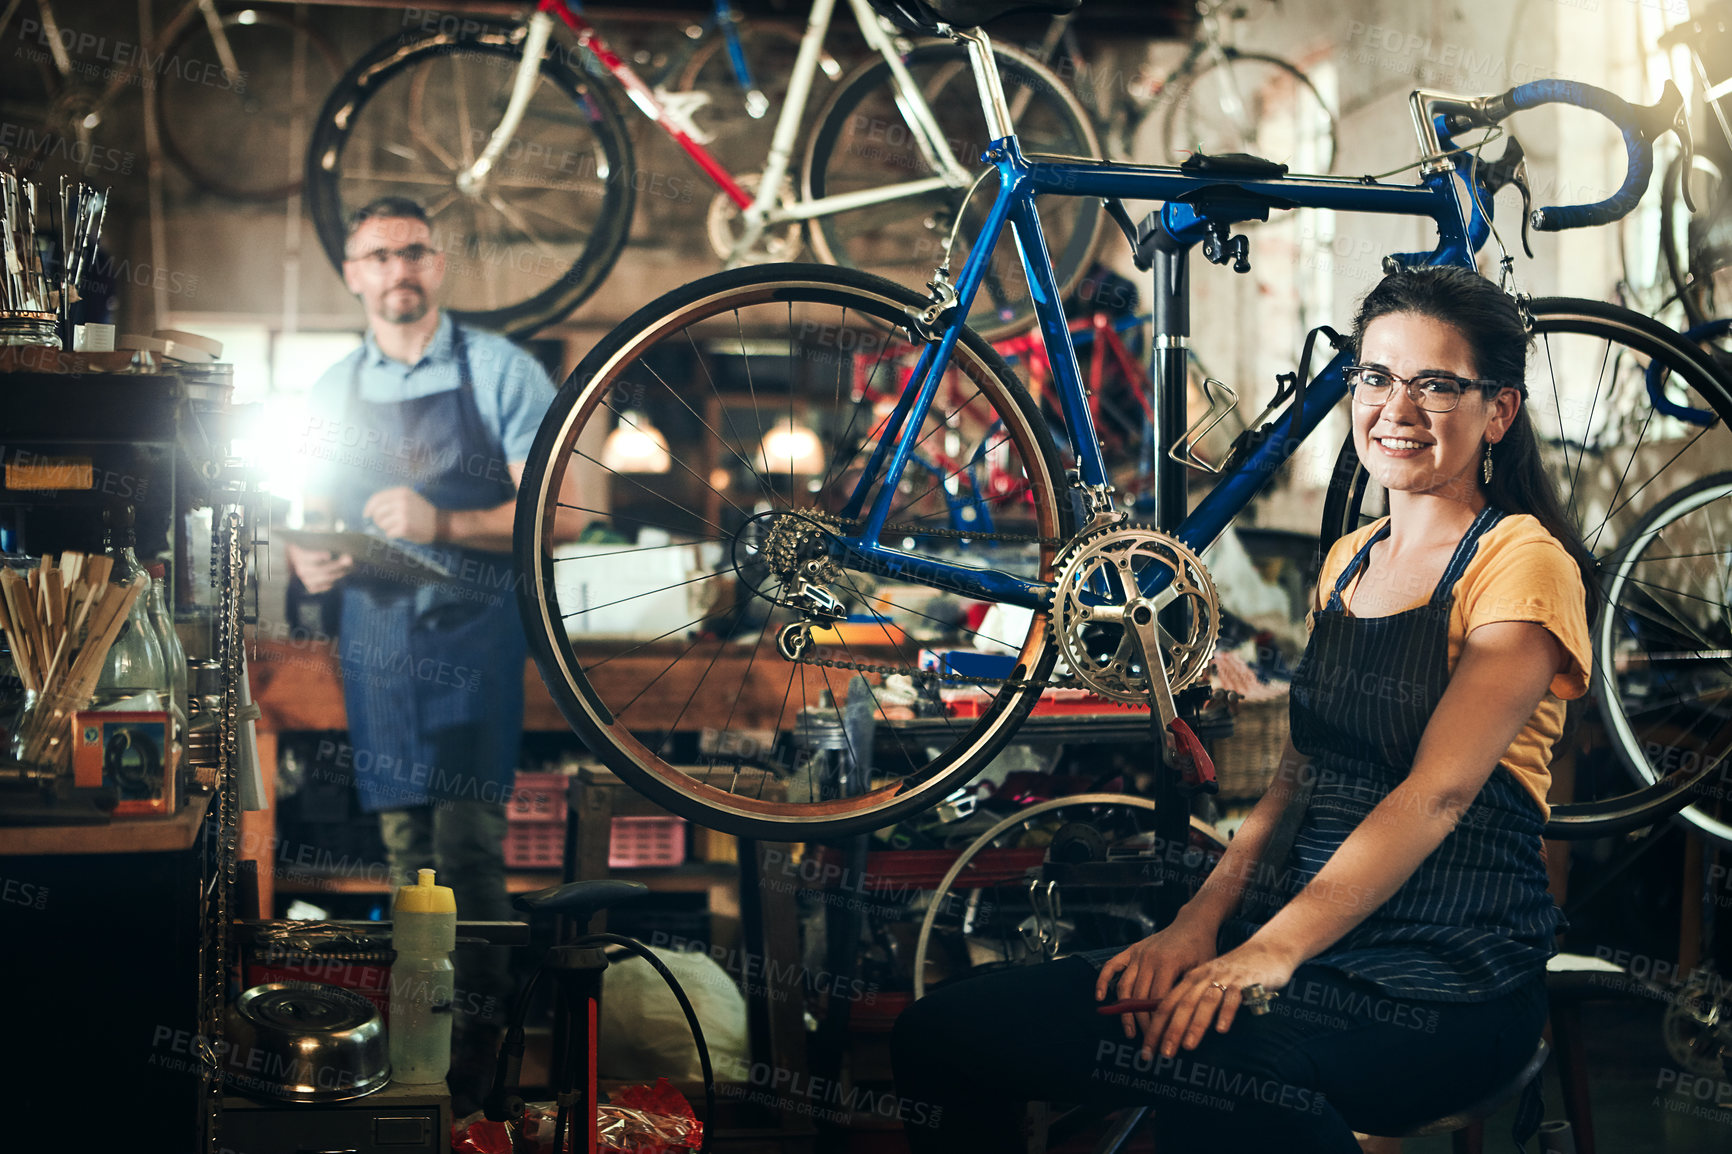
(1245, 762)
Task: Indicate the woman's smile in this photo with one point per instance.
(1401, 446)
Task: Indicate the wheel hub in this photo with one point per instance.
(794, 548)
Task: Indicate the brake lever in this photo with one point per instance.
(1668, 114)
(1681, 125)
(1510, 169)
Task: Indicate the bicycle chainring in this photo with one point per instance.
(723, 224)
(1097, 575)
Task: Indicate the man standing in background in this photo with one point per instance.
(422, 434)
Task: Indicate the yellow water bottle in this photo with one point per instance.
(423, 932)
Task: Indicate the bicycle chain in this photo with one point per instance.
(965, 535)
(918, 674)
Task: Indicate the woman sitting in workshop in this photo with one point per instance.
(1370, 952)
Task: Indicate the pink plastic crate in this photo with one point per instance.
(534, 845)
(640, 842)
(537, 797)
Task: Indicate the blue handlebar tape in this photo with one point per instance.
(1636, 148)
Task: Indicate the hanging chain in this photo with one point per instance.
(965, 534)
(228, 574)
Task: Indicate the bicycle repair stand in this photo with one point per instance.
(1184, 767)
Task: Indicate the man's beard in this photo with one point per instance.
(409, 315)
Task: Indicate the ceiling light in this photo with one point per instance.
(793, 447)
(636, 446)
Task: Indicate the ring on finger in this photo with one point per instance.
(1222, 986)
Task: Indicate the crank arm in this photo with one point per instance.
(1139, 621)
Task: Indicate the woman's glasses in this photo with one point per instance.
(1434, 392)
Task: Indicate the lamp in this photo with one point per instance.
(795, 446)
(635, 446)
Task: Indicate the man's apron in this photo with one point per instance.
(432, 673)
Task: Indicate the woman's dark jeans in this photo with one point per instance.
(1332, 1056)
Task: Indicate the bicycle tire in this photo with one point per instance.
(1630, 343)
(707, 332)
(1696, 623)
(502, 273)
(1691, 267)
(904, 238)
(250, 145)
(935, 904)
(1306, 141)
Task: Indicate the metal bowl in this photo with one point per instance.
(305, 1042)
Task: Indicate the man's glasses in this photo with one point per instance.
(414, 254)
(1434, 392)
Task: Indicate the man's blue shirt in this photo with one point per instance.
(512, 390)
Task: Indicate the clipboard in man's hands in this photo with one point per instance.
(379, 557)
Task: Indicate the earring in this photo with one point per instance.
(1485, 469)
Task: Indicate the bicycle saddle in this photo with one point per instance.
(580, 900)
(1231, 164)
(926, 15)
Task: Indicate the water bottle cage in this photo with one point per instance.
(1290, 388)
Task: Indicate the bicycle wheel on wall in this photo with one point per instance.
(1662, 682)
(242, 136)
(771, 372)
(545, 227)
(1244, 102)
(862, 141)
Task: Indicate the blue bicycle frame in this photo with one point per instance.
(1184, 226)
(1197, 208)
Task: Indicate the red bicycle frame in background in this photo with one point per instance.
(645, 98)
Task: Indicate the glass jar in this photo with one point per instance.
(43, 735)
(39, 330)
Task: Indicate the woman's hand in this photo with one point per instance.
(1211, 992)
(1149, 968)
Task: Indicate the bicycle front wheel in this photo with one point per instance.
(1668, 656)
(532, 239)
(1245, 102)
(863, 142)
(1628, 472)
(661, 647)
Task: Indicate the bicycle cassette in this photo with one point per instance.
(1097, 576)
